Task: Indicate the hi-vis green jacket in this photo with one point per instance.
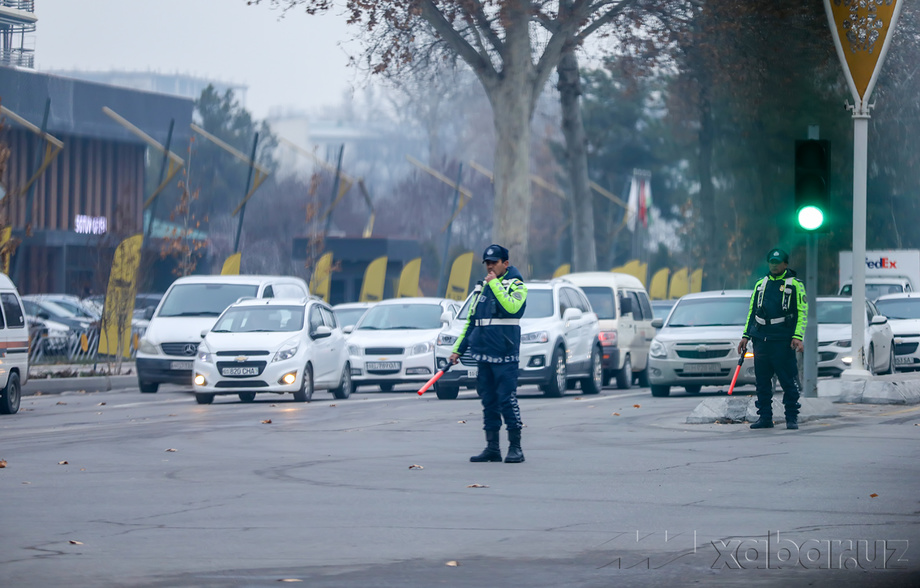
(778, 309)
(493, 324)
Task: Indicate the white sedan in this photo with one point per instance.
(903, 312)
(283, 346)
(394, 341)
(835, 337)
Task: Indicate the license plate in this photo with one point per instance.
(181, 365)
(701, 368)
(383, 365)
(473, 372)
(903, 360)
(239, 371)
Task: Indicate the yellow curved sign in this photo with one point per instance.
(374, 279)
(322, 272)
(408, 279)
(231, 265)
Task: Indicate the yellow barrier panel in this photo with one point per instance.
(659, 288)
(119, 298)
(634, 268)
(374, 279)
(458, 284)
(562, 270)
(319, 283)
(5, 235)
(232, 265)
(408, 279)
(696, 280)
(680, 284)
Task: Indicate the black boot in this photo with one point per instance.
(792, 421)
(765, 410)
(492, 452)
(515, 455)
(764, 422)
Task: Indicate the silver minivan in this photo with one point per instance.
(625, 313)
(14, 338)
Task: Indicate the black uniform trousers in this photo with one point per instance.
(776, 357)
(497, 386)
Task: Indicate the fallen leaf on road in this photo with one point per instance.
(615, 414)
(172, 415)
(39, 393)
(637, 406)
(290, 580)
(102, 404)
(63, 463)
(873, 495)
(59, 403)
(331, 405)
(267, 422)
(72, 542)
(171, 450)
(461, 422)
(416, 467)
(452, 564)
(2, 463)
(477, 486)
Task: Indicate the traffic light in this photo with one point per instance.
(812, 184)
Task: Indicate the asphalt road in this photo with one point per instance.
(120, 488)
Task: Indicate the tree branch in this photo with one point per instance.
(478, 62)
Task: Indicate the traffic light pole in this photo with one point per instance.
(810, 360)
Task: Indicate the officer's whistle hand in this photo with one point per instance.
(742, 345)
(454, 357)
(491, 276)
(798, 345)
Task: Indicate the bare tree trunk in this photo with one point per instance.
(584, 253)
(707, 188)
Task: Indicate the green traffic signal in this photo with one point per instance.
(810, 217)
(812, 184)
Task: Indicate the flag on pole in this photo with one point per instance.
(632, 204)
(645, 200)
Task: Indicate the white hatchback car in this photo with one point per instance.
(393, 343)
(560, 343)
(903, 312)
(835, 334)
(278, 345)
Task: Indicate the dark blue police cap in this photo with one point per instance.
(494, 253)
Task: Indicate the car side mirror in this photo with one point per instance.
(321, 332)
(571, 314)
(658, 322)
(445, 317)
(204, 333)
(348, 329)
(148, 312)
(44, 316)
(879, 319)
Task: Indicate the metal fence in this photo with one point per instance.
(75, 347)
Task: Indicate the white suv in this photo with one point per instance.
(559, 343)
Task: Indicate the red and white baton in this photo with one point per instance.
(434, 379)
(737, 369)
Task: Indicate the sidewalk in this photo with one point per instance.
(57, 378)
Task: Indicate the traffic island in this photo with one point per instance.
(740, 409)
(889, 389)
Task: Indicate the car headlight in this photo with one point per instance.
(421, 348)
(204, 354)
(445, 339)
(353, 349)
(536, 337)
(843, 343)
(657, 349)
(146, 346)
(287, 351)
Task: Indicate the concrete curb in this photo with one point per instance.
(738, 409)
(87, 384)
(892, 389)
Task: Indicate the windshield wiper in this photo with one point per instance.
(198, 313)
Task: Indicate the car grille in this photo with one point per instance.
(241, 384)
(242, 352)
(702, 354)
(826, 356)
(241, 364)
(384, 351)
(186, 348)
(905, 348)
(716, 372)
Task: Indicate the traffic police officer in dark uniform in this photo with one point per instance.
(776, 324)
(492, 333)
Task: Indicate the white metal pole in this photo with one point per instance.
(858, 322)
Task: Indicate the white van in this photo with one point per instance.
(622, 305)
(14, 341)
(166, 352)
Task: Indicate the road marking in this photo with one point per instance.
(900, 411)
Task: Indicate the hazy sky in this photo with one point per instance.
(296, 61)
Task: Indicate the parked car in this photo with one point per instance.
(661, 308)
(14, 337)
(903, 312)
(276, 345)
(625, 314)
(39, 306)
(697, 345)
(166, 352)
(393, 343)
(560, 343)
(348, 313)
(72, 303)
(835, 334)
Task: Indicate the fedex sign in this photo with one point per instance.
(884, 265)
(881, 263)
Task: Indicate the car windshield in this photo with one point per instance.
(720, 311)
(873, 291)
(899, 308)
(348, 316)
(54, 309)
(204, 299)
(601, 299)
(834, 312)
(260, 319)
(402, 316)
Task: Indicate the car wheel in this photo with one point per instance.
(345, 387)
(872, 360)
(10, 396)
(247, 396)
(386, 387)
(202, 398)
(693, 389)
(624, 376)
(890, 369)
(446, 392)
(305, 394)
(642, 378)
(660, 391)
(148, 387)
(555, 387)
(594, 382)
